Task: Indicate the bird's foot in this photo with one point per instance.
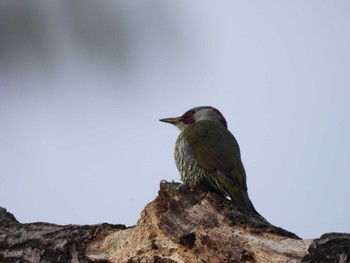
(184, 187)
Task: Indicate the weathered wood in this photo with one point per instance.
(187, 225)
(330, 247)
(181, 225)
(43, 242)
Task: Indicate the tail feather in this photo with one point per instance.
(236, 192)
(241, 198)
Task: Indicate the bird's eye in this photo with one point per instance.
(187, 118)
(190, 113)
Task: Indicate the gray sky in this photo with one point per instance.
(82, 88)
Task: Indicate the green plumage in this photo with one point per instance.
(216, 150)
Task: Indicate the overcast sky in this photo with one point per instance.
(82, 87)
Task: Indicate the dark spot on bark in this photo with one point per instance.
(188, 240)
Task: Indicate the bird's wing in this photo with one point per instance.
(215, 148)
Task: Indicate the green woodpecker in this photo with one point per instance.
(206, 153)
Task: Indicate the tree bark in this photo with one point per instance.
(181, 225)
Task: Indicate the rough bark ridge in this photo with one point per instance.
(43, 242)
(181, 225)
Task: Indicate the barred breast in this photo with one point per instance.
(186, 163)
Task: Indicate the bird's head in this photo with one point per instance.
(197, 114)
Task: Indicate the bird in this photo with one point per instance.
(207, 154)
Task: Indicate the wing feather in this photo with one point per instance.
(215, 148)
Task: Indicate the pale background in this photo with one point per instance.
(83, 84)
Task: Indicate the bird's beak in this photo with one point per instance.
(171, 120)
